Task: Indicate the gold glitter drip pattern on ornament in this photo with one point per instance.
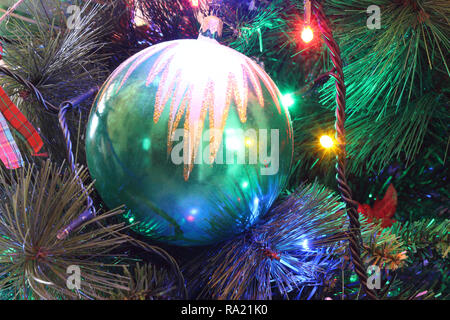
(190, 73)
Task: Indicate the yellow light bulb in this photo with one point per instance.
(307, 34)
(326, 142)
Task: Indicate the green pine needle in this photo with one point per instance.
(35, 205)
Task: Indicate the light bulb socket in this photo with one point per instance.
(211, 27)
(307, 10)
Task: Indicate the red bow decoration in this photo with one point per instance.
(9, 152)
(382, 210)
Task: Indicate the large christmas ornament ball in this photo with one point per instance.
(192, 138)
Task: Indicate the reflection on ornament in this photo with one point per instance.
(146, 144)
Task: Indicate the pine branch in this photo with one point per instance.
(376, 141)
(382, 248)
(169, 19)
(33, 263)
(147, 283)
(388, 67)
(310, 122)
(60, 62)
(426, 233)
(289, 252)
(396, 79)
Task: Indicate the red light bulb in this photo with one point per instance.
(307, 34)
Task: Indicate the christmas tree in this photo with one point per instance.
(92, 94)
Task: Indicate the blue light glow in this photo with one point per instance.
(255, 210)
(305, 244)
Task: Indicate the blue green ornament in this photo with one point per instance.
(191, 137)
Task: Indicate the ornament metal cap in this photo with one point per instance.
(212, 27)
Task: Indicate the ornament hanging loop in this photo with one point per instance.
(90, 211)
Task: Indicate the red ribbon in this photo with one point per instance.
(19, 122)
